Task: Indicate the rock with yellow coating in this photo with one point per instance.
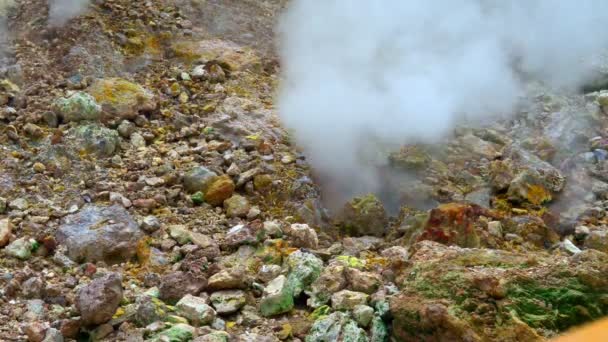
(529, 187)
(219, 190)
(122, 98)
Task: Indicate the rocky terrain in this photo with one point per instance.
(149, 193)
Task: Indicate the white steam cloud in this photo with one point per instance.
(362, 72)
(61, 11)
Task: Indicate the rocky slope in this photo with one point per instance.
(149, 192)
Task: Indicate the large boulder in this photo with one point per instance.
(98, 233)
(534, 180)
(97, 302)
(449, 293)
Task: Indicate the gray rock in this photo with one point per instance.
(249, 317)
(569, 247)
(303, 236)
(355, 245)
(366, 282)
(150, 224)
(331, 280)
(247, 176)
(363, 314)
(175, 285)
(21, 248)
(137, 140)
(101, 332)
(149, 310)
(198, 179)
(495, 228)
(529, 186)
(251, 337)
(237, 206)
(273, 229)
(126, 128)
(268, 272)
(396, 254)
(97, 140)
(195, 310)
(239, 235)
(53, 335)
(216, 336)
(336, 327)
(229, 301)
(96, 233)
(524, 160)
(180, 233)
(35, 331)
(18, 204)
(35, 310)
(32, 288)
(480, 197)
(97, 302)
(234, 278)
(347, 300)
(365, 216)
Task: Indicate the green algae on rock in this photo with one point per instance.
(304, 269)
(336, 327)
(478, 295)
(177, 333)
(278, 297)
(78, 106)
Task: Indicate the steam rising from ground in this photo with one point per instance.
(366, 73)
(60, 11)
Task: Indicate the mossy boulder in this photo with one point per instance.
(452, 293)
(365, 216)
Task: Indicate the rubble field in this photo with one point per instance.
(148, 192)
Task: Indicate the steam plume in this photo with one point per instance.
(60, 11)
(366, 73)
